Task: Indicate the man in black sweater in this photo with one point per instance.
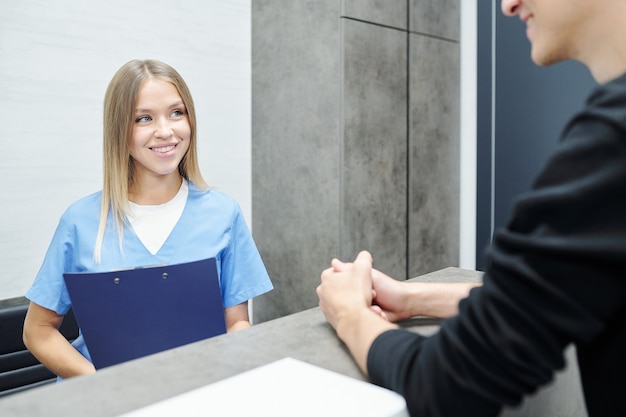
(557, 272)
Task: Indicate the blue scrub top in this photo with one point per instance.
(211, 225)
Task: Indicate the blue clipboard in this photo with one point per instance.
(132, 313)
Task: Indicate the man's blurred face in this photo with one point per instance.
(555, 28)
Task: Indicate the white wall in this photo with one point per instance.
(467, 248)
(56, 59)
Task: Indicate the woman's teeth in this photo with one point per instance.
(164, 149)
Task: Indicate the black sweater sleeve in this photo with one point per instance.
(555, 277)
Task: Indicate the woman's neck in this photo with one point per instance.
(155, 190)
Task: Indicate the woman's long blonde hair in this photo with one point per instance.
(119, 113)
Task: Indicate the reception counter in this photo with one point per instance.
(303, 336)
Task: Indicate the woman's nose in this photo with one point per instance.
(510, 7)
(163, 129)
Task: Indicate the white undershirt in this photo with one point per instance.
(154, 223)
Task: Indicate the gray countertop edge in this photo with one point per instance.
(112, 391)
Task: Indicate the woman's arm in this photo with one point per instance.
(42, 337)
(237, 317)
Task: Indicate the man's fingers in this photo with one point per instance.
(337, 265)
(363, 263)
(365, 256)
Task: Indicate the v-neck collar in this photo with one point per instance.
(148, 221)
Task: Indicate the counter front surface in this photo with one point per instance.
(305, 336)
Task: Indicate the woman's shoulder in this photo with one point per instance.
(85, 207)
(212, 196)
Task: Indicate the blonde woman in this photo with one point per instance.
(154, 208)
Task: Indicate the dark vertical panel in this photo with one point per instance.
(483, 130)
(532, 104)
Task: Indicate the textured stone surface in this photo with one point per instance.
(383, 12)
(440, 18)
(296, 108)
(374, 147)
(434, 154)
(354, 144)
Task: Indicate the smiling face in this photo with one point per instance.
(161, 131)
(589, 31)
(556, 29)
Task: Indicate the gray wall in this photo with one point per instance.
(355, 141)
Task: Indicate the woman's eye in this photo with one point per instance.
(178, 113)
(143, 119)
